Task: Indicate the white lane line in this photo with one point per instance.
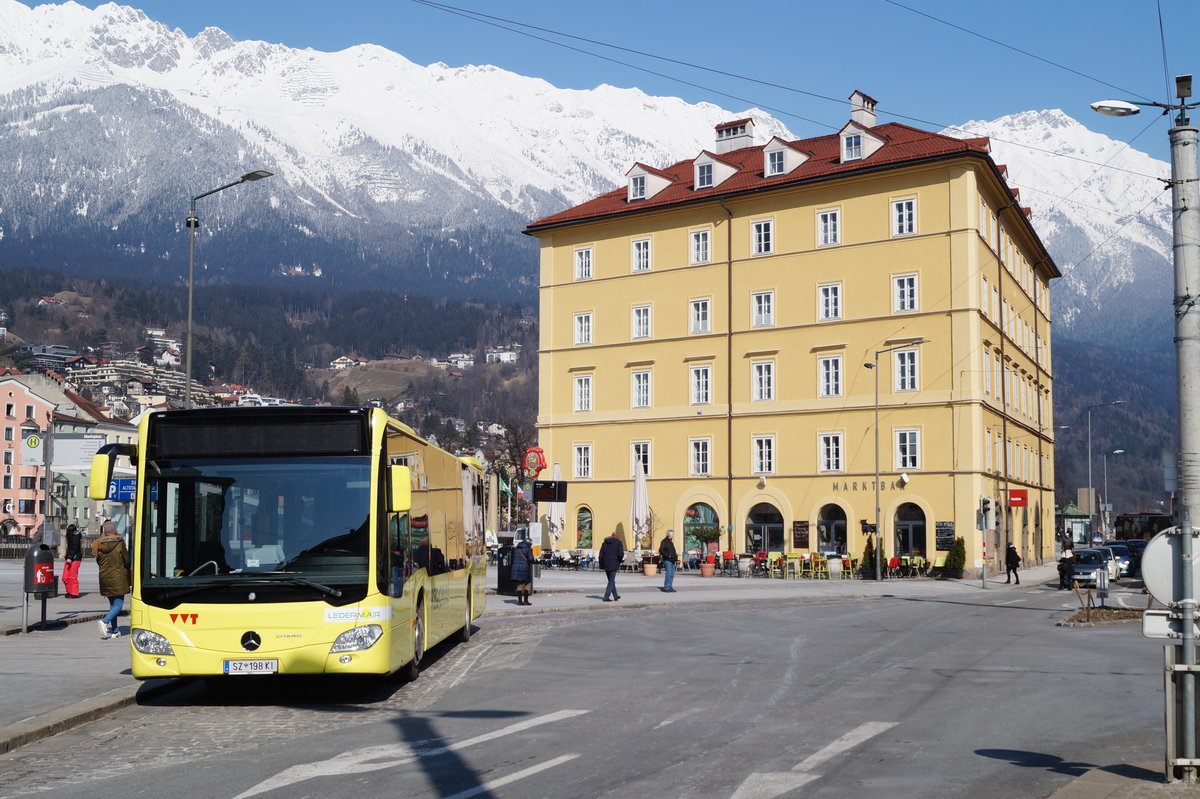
(848, 741)
(1010, 602)
(678, 717)
(389, 755)
(516, 775)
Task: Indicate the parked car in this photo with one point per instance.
(1110, 559)
(1123, 556)
(1088, 562)
(1137, 546)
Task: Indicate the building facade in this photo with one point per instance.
(781, 332)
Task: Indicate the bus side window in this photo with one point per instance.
(398, 552)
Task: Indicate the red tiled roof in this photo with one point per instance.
(903, 144)
(732, 123)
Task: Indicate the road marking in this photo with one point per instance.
(390, 755)
(518, 775)
(767, 785)
(1011, 602)
(678, 717)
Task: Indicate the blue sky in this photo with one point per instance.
(922, 71)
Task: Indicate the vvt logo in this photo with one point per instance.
(184, 618)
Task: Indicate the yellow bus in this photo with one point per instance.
(294, 540)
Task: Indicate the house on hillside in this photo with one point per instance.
(461, 360)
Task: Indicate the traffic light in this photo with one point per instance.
(987, 514)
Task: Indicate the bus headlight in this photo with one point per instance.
(357, 638)
(149, 643)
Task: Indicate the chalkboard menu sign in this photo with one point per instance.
(944, 533)
(799, 535)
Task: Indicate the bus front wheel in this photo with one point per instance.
(464, 635)
(413, 670)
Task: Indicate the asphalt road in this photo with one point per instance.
(978, 695)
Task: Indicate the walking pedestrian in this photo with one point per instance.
(1011, 561)
(612, 552)
(113, 560)
(1066, 565)
(72, 559)
(670, 559)
(522, 570)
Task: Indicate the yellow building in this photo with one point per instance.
(719, 320)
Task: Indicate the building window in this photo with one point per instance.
(641, 255)
(831, 452)
(700, 247)
(704, 176)
(830, 376)
(28, 411)
(763, 388)
(8, 481)
(906, 370)
(853, 146)
(984, 299)
(701, 385)
(583, 263)
(904, 217)
(908, 449)
(641, 322)
(583, 392)
(637, 187)
(641, 390)
(763, 237)
(762, 308)
(700, 316)
(583, 328)
(26, 506)
(987, 448)
(701, 460)
(904, 294)
(829, 228)
(775, 162)
(763, 448)
(8, 457)
(10, 410)
(641, 455)
(28, 483)
(829, 301)
(583, 461)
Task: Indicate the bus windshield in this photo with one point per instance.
(280, 529)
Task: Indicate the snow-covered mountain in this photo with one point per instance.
(384, 167)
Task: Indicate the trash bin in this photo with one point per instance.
(504, 581)
(39, 572)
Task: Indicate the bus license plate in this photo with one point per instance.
(251, 666)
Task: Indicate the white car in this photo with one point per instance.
(1110, 559)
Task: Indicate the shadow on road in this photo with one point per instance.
(1055, 764)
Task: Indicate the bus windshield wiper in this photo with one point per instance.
(296, 579)
(266, 578)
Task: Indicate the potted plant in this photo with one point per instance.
(866, 567)
(706, 534)
(955, 560)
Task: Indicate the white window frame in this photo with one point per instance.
(852, 146)
(907, 443)
(640, 322)
(640, 450)
(583, 393)
(762, 381)
(762, 454)
(583, 263)
(762, 309)
(582, 464)
(704, 176)
(700, 457)
(583, 328)
(905, 297)
(639, 389)
(701, 252)
(829, 301)
(906, 370)
(700, 316)
(829, 376)
(637, 187)
(904, 217)
(829, 454)
(775, 163)
(639, 255)
(829, 227)
(762, 237)
(700, 385)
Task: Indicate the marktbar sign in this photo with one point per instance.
(850, 486)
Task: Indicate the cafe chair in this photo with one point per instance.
(820, 567)
(893, 567)
(729, 563)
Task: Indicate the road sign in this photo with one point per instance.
(1162, 567)
(1165, 624)
(122, 489)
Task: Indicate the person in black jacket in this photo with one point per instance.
(1011, 561)
(670, 558)
(522, 570)
(612, 552)
(73, 558)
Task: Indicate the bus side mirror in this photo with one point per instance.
(399, 489)
(102, 469)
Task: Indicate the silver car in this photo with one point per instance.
(1123, 556)
(1086, 564)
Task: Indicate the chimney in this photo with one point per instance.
(734, 135)
(862, 109)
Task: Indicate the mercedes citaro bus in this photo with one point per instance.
(296, 540)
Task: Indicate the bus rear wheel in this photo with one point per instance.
(413, 670)
(464, 635)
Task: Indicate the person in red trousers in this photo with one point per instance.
(74, 556)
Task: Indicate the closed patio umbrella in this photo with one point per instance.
(639, 508)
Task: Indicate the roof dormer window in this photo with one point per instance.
(775, 162)
(637, 187)
(704, 176)
(853, 148)
(858, 143)
(646, 182)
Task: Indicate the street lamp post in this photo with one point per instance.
(192, 223)
(879, 531)
(1185, 236)
(1091, 491)
(1104, 521)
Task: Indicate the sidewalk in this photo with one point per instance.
(66, 676)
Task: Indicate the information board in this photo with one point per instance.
(943, 535)
(800, 535)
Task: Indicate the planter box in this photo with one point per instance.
(952, 574)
